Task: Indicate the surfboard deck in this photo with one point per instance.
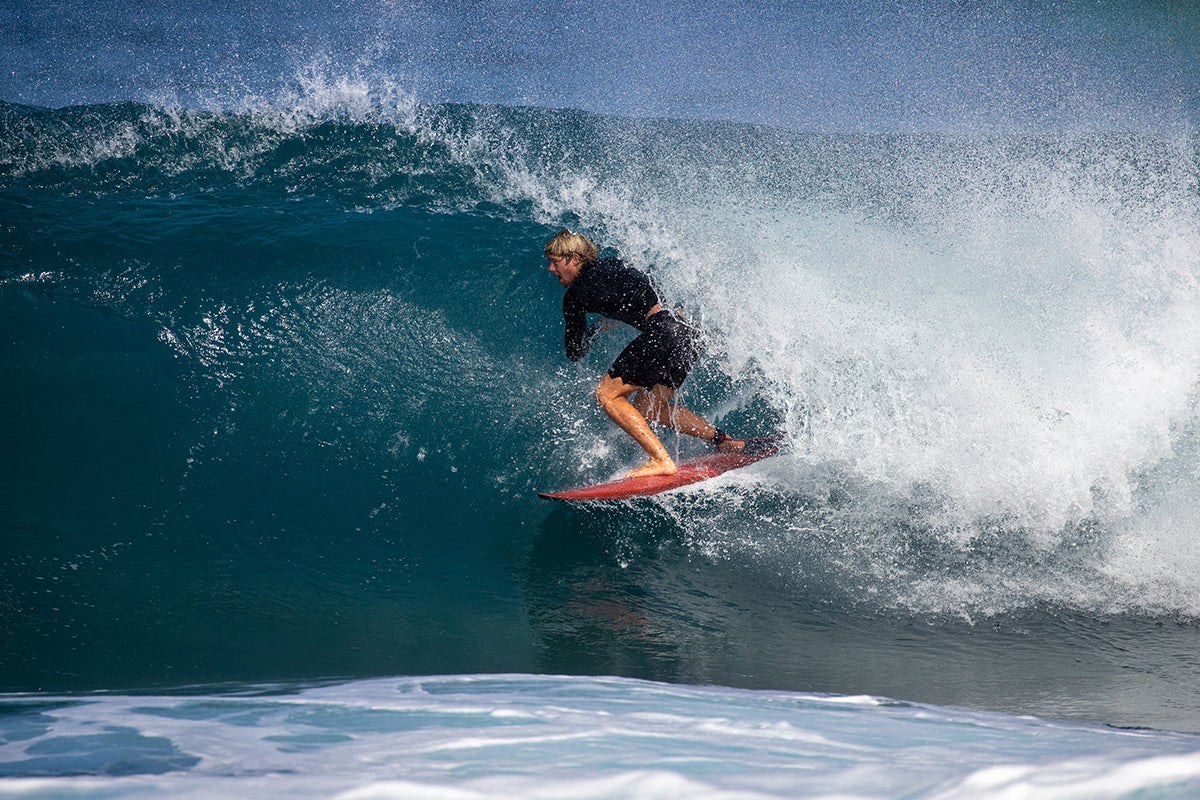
(691, 471)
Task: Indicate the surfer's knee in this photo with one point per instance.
(605, 396)
(611, 390)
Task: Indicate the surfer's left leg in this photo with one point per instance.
(655, 405)
(613, 396)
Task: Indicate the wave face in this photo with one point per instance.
(282, 380)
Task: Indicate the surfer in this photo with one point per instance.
(640, 383)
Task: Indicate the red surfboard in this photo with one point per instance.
(691, 471)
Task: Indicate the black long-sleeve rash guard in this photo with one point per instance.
(609, 288)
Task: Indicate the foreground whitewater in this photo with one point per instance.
(523, 736)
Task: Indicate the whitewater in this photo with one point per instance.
(282, 374)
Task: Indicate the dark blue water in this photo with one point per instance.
(282, 367)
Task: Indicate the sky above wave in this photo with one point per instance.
(831, 66)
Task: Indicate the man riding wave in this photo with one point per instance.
(638, 387)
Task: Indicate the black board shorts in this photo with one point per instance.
(664, 353)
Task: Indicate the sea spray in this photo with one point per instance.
(1004, 328)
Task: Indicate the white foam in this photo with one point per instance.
(571, 736)
(1009, 332)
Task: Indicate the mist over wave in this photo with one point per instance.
(826, 66)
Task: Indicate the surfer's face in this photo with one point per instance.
(565, 268)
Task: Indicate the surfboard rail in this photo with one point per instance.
(691, 471)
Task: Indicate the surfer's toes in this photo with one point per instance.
(724, 443)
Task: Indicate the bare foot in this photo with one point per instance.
(653, 467)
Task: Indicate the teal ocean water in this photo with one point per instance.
(282, 373)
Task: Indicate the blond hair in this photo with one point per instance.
(567, 243)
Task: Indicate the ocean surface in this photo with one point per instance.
(281, 372)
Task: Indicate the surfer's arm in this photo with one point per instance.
(579, 335)
(579, 343)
